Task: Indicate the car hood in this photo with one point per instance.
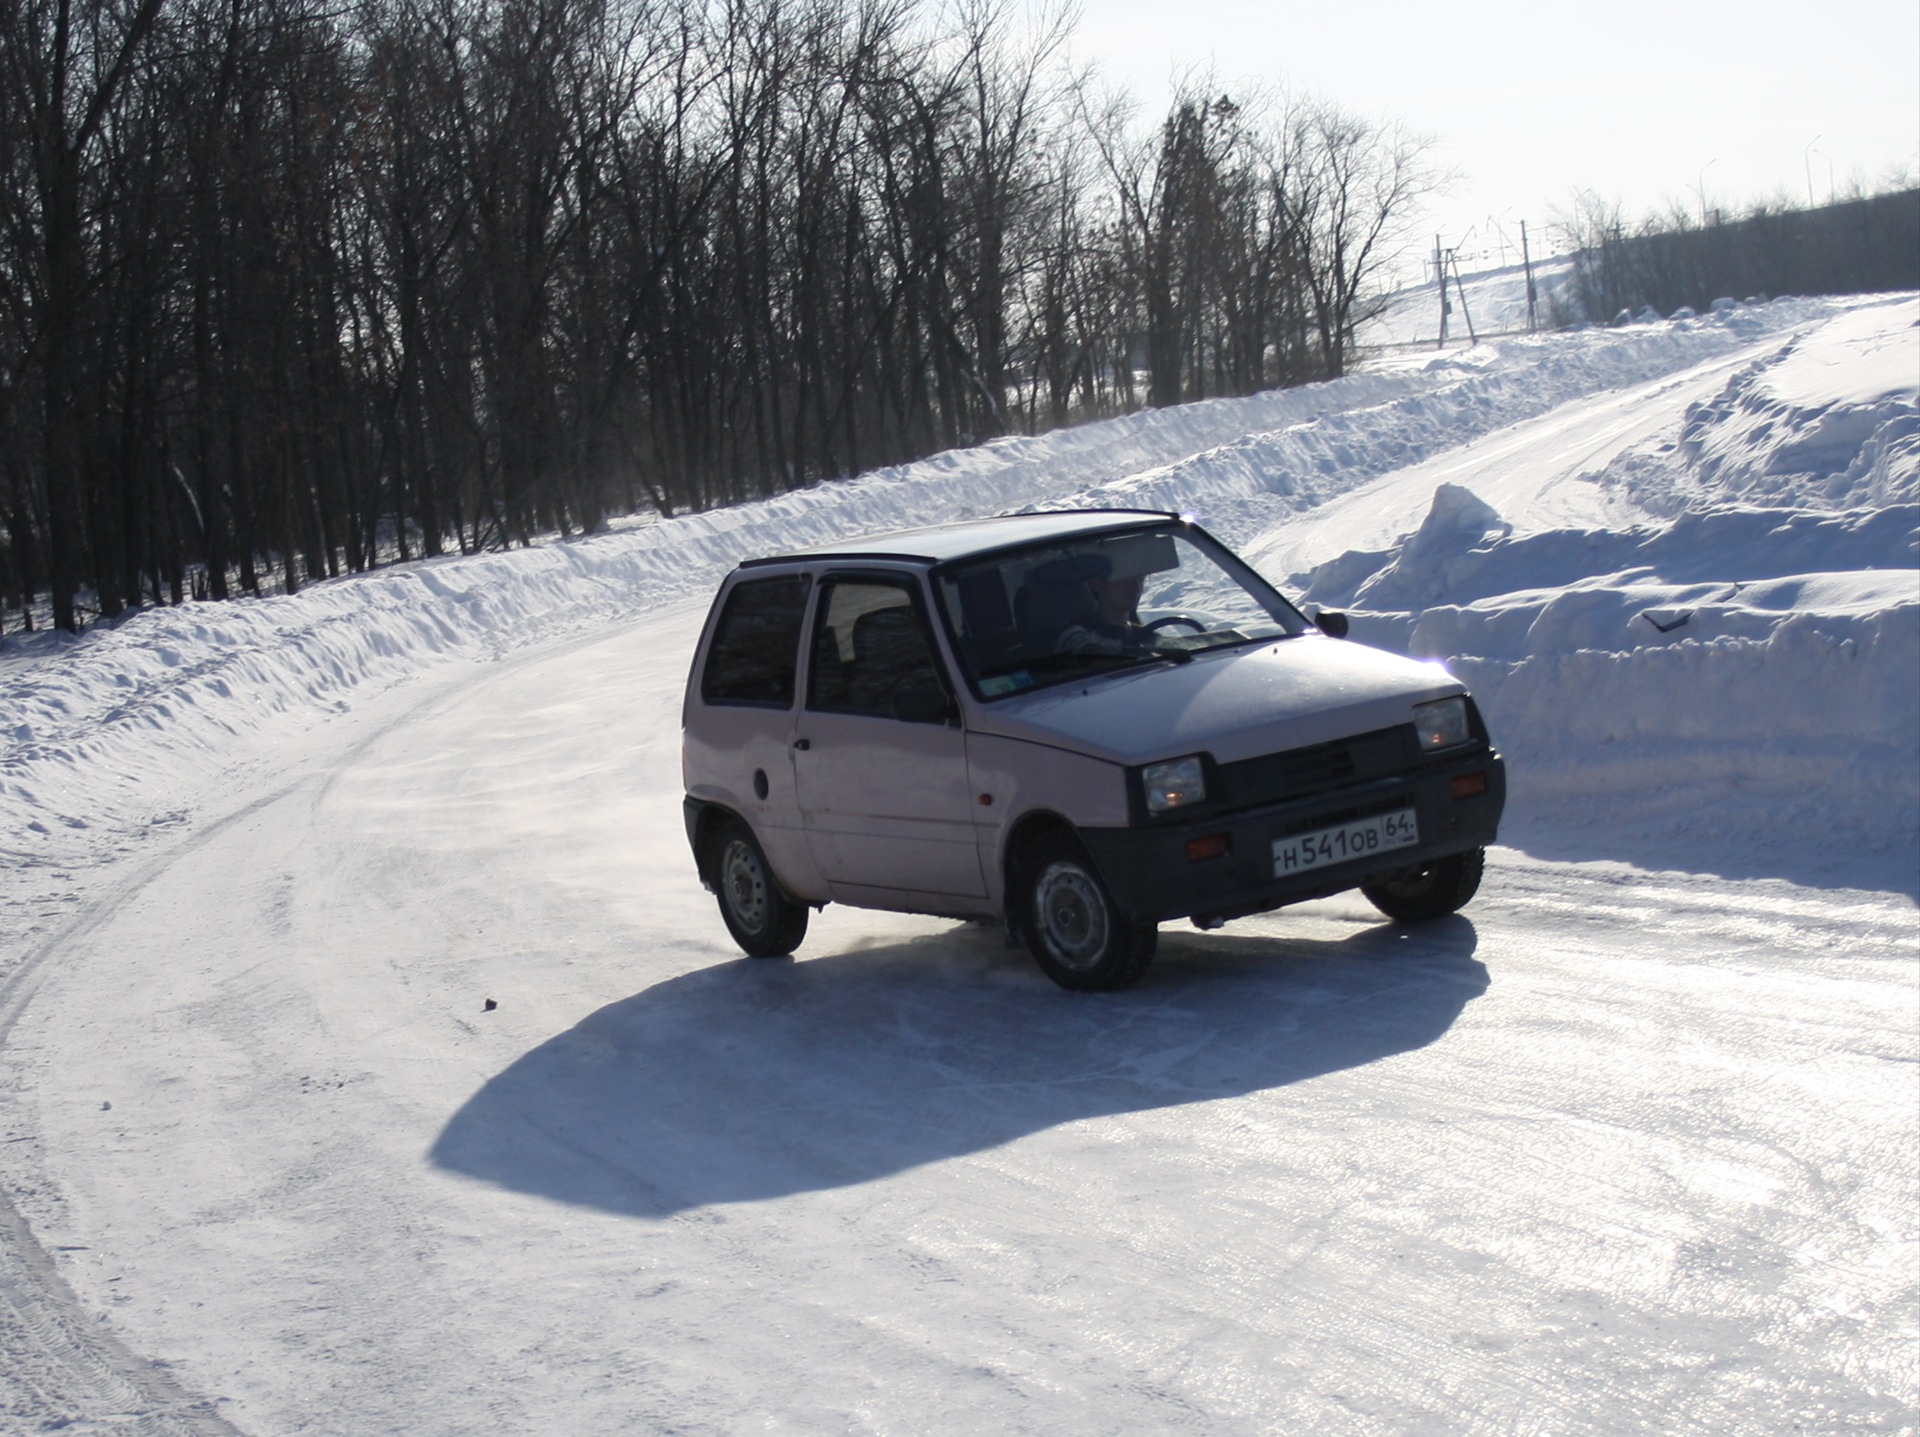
(1234, 704)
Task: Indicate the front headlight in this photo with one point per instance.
(1441, 724)
(1178, 783)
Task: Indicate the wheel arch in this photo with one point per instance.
(1022, 834)
(1087, 958)
(704, 818)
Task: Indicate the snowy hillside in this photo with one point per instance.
(372, 1062)
(1486, 303)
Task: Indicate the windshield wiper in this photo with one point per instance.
(1242, 640)
(1113, 663)
(1081, 661)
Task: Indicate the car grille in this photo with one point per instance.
(1303, 772)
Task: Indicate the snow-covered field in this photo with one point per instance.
(1491, 302)
(1630, 1146)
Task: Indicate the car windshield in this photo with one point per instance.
(1031, 617)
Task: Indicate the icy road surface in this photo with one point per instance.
(1615, 1152)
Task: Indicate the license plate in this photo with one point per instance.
(1381, 833)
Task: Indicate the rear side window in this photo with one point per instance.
(869, 648)
(752, 659)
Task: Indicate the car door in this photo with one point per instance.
(880, 762)
(737, 729)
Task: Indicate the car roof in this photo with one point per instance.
(939, 543)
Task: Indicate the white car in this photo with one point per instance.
(1081, 724)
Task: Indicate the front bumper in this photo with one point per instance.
(1151, 877)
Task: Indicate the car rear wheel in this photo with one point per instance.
(1071, 926)
(1428, 890)
(763, 920)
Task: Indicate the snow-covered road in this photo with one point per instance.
(1550, 469)
(390, 1073)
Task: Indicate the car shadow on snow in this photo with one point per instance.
(759, 1079)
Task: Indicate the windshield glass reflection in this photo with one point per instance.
(1052, 612)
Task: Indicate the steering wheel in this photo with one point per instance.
(1199, 626)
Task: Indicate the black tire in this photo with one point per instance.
(1070, 924)
(1428, 890)
(763, 920)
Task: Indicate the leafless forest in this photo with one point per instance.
(297, 287)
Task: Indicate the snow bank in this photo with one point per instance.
(1743, 664)
(1834, 415)
(1733, 674)
(1808, 734)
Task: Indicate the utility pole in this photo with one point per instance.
(1526, 258)
(1465, 313)
(1440, 274)
(1806, 160)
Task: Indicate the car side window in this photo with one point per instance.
(870, 650)
(756, 644)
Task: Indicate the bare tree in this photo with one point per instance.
(1356, 181)
(63, 73)
(310, 287)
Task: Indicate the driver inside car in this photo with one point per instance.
(1113, 627)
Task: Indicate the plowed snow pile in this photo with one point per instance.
(1746, 668)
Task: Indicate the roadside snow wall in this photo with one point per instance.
(1734, 672)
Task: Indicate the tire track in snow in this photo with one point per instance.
(66, 1368)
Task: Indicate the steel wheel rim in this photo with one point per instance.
(745, 885)
(1072, 915)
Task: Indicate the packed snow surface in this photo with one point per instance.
(374, 1063)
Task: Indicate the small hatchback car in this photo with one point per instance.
(1080, 724)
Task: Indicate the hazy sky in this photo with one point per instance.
(1631, 99)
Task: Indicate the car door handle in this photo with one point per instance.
(803, 743)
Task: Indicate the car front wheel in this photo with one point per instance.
(1076, 935)
(763, 920)
(1428, 890)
